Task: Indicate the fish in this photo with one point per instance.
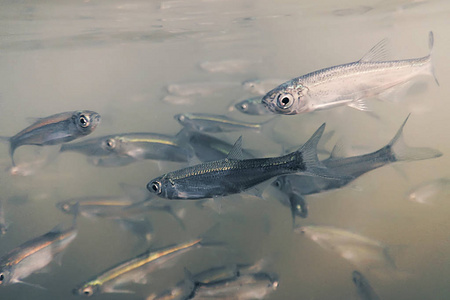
(426, 192)
(198, 89)
(249, 286)
(359, 250)
(55, 129)
(355, 166)
(135, 146)
(365, 291)
(233, 174)
(349, 84)
(261, 86)
(3, 224)
(34, 255)
(209, 148)
(133, 270)
(217, 123)
(252, 106)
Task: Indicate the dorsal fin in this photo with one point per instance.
(236, 151)
(379, 52)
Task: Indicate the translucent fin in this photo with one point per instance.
(31, 284)
(379, 52)
(359, 104)
(430, 46)
(403, 152)
(236, 151)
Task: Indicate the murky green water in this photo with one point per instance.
(118, 57)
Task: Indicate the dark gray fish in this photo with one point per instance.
(217, 123)
(353, 167)
(253, 106)
(3, 224)
(349, 84)
(55, 129)
(34, 255)
(122, 149)
(209, 148)
(365, 291)
(234, 174)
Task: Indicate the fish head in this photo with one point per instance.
(87, 289)
(6, 276)
(287, 99)
(67, 207)
(282, 183)
(86, 121)
(243, 106)
(165, 187)
(111, 144)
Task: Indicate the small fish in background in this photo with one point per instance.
(349, 84)
(55, 129)
(34, 255)
(3, 224)
(247, 286)
(234, 174)
(261, 86)
(134, 270)
(363, 287)
(428, 192)
(218, 123)
(199, 89)
(251, 106)
(359, 250)
(229, 66)
(353, 167)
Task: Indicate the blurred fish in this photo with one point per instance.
(34, 255)
(55, 129)
(365, 291)
(252, 106)
(353, 167)
(217, 123)
(250, 286)
(209, 148)
(261, 86)
(125, 148)
(349, 84)
(425, 192)
(229, 66)
(361, 251)
(234, 174)
(3, 224)
(198, 89)
(133, 270)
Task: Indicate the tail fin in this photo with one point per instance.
(430, 46)
(402, 152)
(309, 160)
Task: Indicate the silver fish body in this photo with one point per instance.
(133, 270)
(363, 287)
(234, 174)
(56, 129)
(34, 255)
(348, 84)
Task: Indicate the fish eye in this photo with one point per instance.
(111, 143)
(181, 118)
(277, 183)
(155, 187)
(244, 106)
(88, 291)
(66, 207)
(285, 101)
(2, 277)
(84, 121)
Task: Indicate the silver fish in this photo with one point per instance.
(249, 286)
(133, 270)
(253, 106)
(34, 255)
(234, 174)
(55, 129)
(365, 291)
(359, 250)
(198, 89)
(355, 166)
(426, 192)
(349, 84)
(217, 123)
(3, 224)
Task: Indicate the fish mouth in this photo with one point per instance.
(267, 103)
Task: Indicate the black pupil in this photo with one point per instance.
(155, 187)
(2, 277)
(82, 120)
(86, 292)
(285, 100)
(110, 143)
